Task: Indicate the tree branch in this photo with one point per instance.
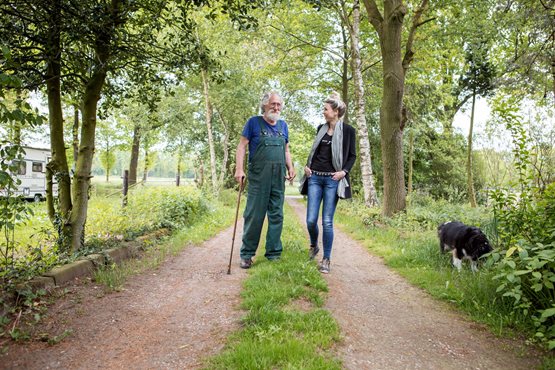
(415, 24)
(546, 7)
(306, 42)
(374, 15)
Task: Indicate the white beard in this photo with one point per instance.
(272, 116)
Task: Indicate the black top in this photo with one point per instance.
(321, 161)
(349, 153)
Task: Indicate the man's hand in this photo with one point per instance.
(291, 176)
(239, 176)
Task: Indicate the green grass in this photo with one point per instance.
(285, 326)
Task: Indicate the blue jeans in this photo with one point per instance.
(321, 188)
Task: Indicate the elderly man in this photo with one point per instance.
(267, 139)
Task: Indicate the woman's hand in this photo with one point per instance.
(307, 171)
(339, 175)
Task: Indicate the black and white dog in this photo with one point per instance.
(464, 241)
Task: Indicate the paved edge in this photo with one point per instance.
(86, 266)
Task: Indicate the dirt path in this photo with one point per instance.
(389, 324)
(171, 318)
(180, 314)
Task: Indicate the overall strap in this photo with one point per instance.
(264, 128)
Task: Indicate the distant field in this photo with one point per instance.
(117, 180)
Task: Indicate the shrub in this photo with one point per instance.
(171, 207)
(527, 260)
(525, 222)
(423, 213)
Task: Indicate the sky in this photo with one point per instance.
(482, 114)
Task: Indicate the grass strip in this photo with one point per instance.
(285, 326)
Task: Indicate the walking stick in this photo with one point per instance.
(235, 227)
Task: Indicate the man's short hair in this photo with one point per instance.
(266, 98)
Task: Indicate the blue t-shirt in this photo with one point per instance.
(251, 131)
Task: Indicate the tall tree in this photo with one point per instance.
(208, 114)
(34, 33)
(478, 80)
(369, 190)
(389, 27)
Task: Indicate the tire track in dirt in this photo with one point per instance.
(173, 317)
(387, 323)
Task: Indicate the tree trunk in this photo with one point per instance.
(57, 168)
(81, 182)
(16, 125)
(91, 96)
(199, 175)
(345, 72)
(411, 160)
(108, 162)
(225, 149)
(391, 107)
(389, 28)
(208, 120)
(225, 159)
(553, 68)
(470, 179)
(75, 131)
(179, 161)
(370, 195)
(134, 161)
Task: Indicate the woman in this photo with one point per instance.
(326, 177)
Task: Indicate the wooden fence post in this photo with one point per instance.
(125, 187)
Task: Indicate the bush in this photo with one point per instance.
(423, 213)
(148, 208)
(526, 229)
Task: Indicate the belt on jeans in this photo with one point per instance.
(323, 173)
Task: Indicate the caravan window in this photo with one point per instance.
(21, 168)
(37, 166)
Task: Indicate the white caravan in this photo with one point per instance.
(32, 174)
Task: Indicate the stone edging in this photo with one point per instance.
(87, 265)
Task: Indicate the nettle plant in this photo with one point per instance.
(525, 218)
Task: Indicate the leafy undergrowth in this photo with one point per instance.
(285, 326)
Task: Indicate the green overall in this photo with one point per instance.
(265, 195)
